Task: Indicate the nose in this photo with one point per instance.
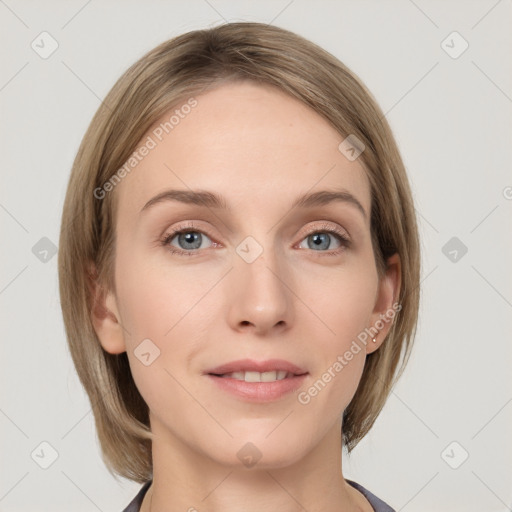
(259, 296)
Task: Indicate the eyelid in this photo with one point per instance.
(326, 226)
(169, 234)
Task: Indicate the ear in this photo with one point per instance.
(105, 316)
(383, 314)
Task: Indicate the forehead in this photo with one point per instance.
(252, 143)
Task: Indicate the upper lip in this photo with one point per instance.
(251, 365)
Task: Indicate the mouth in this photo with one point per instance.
(258, 381)
(258, 387)
(252, 370)
(251, 376)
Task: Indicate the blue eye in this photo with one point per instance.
(322, 240)
(190, 240)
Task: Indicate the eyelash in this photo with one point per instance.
(326, 228)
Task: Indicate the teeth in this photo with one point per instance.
(259, 377)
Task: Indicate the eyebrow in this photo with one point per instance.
(212, 200)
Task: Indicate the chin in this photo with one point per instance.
(257, 451)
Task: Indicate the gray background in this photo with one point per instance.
(451, 118)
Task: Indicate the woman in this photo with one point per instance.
(239, 273)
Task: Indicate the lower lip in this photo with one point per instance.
(259, 391)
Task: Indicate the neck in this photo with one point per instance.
(189, 479)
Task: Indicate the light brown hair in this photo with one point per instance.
(167, 75)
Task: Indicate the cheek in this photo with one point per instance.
(342, 302)
(166, 305)
(157, 306)
(146, 303)
(155, 297)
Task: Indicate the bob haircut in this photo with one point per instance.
(162, 79)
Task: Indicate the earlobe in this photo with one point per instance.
(105, 317)
(385, 309)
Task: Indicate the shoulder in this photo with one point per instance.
(135, 504)
(377, 504)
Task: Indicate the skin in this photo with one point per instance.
(261, 149)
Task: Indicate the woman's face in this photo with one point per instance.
(257, 278)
